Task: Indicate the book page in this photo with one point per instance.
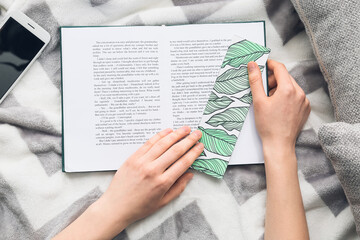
(121, 85)
(195, 61)
(193, 70)
(126, 82)
(112, 94)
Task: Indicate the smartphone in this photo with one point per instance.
(21, 42)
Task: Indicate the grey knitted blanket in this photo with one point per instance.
(37, 200)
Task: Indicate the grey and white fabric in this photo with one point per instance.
(37, 200)
(334, 30)
(335, 41)
(341, 143)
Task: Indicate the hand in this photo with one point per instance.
(280, 117)
(153, 176)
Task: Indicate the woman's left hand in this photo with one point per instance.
(152, 177)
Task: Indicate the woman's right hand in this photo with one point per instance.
(280, 116)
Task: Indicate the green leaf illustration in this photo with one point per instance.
(243, 52)
(246, 98)
(215, 103)
(230, 119)
(214, 166)
(202, 154)
(218, 141)
(233, 81)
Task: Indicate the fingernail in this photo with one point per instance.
(185, 129)
(197, 133)
(251, 66)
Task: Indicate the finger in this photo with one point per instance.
(177, 150)
(181, 165)
(176, 189)
(272, 81)
(282, 76)
(306, 113)
(255, 80)
(272, 91)
(307, 105)
(149, 143)
(166, 142)
(269, 71)
(271, 64)
(296, 85)
(300, 92)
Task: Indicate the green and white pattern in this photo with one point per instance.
(243, 52)
(227, 107)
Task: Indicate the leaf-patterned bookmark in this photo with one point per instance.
(228, 105)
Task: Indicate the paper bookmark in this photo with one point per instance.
(227, 107)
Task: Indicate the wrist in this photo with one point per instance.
(279, 154)
(95, 223)
(109, 220)
(278, 147)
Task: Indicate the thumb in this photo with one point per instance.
(255, 80)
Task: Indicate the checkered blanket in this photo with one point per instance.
(37, 200)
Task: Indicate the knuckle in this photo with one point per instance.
(198, 149)
(127, 164)
(281, 65)
(178, 149)
(254, 77)
(288, 91)
(149, 143)
(183, 164)
(148, 171)
(193, 137)
(306, 101)
(161, 134)
(162, 183)
(162, 144)
(187, 160)
(175, 136)
(302, 95)
(182, 187)
(131, 163)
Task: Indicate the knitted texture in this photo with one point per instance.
(334, 31)
(341, 142)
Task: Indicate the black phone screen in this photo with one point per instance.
(18, 47)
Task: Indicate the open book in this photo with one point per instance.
(123, 84)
